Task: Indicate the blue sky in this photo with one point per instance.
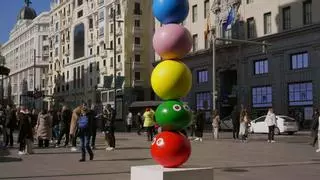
(9, 11)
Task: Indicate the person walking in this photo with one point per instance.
(235, 116)
(25, 132)
(109, 116)
(129, 121)
(314, 127)
(11, 123)
(73, 126)
(2, 123)
(318, 150)
(139, 123)
(92, 114)
(215, 124)
(271, 122)
(193, 124)
(66, 115)
(149, 123)
(85, 129)
(200, 125)
(244, 120)
(44, 129)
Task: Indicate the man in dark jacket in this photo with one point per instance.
(109, 118)
(235, 115)
(314, 128)
(66, 115)
(93, 116)
(10, 125)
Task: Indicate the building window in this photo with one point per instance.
(111, 44)
(111, 62)
(98, 50)
(98, 80)
(300, 60)
(119, 58)
(74, 78)
(79, 41)
(101, 31)
(90, 23)
(137, 23)
(137, 9)
(286, 18)
(104, 63)
(80, 2)
(118, 9)
(267, 23)
(98, 66)
(307, 12)
(119, 40)
(300, 94)
(202, 76)
(249, 1)
(90, 67)
(57, 26)
(80, 13)
(206, 8)
(194, 13)
(137, 40)
(195, 42)
(137, 76)
(251, 28)
(111, 28)
(262, 96)
(137, 58)
(101, 15)
(261, 67)
(90, 51)
(203, 100)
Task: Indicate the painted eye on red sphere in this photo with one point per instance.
(160, 142)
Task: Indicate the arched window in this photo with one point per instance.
(79, 41)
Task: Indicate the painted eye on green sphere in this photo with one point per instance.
(173, 115)
(177, 107)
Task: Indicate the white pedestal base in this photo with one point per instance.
(157, 172)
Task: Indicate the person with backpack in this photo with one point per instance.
(109, 116)
(85, 130)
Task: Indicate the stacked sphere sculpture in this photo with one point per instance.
(171, 80)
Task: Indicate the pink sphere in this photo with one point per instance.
(172, 41)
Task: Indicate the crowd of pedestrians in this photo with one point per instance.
(52, 127)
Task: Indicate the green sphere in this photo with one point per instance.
(173, 115)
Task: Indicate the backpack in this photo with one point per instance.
(83, 122)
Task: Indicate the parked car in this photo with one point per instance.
(285, 124)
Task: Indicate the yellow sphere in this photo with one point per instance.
(171, 79)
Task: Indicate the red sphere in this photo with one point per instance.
(170, 149)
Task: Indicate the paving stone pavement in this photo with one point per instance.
(289, 158)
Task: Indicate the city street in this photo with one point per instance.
(291, 157)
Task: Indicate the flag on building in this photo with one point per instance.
(230, 19)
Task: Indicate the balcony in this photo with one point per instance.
(90, 42)
(137, 48)
(67, 53)
(119, 32)
(104, 53)
(50, 72)
(119, 49)
(119, 67)
(104, 70)
(50, 84)
(137, 83)
(45, 43)
(45, 53)
(136, 30)
(137, 65)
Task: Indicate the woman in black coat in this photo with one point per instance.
(200, 119)
(25, 131)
